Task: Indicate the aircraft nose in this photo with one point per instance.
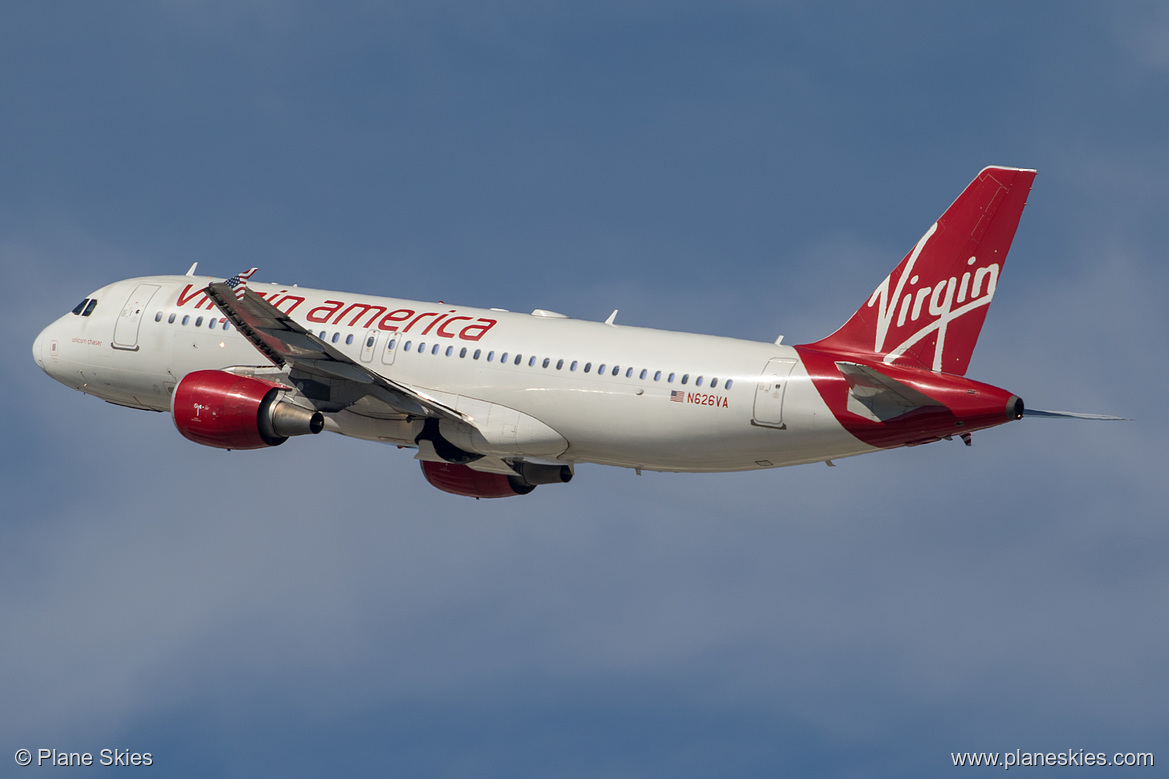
(44, 349)
(38, 349)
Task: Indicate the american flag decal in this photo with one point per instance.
(678, 396)
(239, 282)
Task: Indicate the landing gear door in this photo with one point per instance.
(769, 392)
(126, 328)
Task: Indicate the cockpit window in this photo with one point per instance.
(80, 307)
(89, 308)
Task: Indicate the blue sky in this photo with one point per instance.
(745, 169)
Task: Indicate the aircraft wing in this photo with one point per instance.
(285, 342)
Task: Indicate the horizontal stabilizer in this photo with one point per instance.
(874, 395)
(1034, 412)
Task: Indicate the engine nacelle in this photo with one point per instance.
(534, 473)
(461, 480)
(221, 409)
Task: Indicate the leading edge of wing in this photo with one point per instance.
(285, 342)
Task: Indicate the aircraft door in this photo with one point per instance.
(369, 346)
(391, 349)
(126, 328)
(769, 392)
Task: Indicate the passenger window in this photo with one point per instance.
(503, 359)
(531, 360)
(657, 375)
(421, 347)
(698, 382)
(547, 361)
(349, 340)
(475, 356)
(225, 324)
(685, 377)
(336, 337)
(89, 308)
(642, 374)
(714, 383)
(80, 307)
(199, 322)
(559, 364)
(170, 320)
(490, 356)
(617, 369)
(727, 384)
(434, 350)
(670, 379)
(463, 352)
(391, 344)
(450, 350)
(573, 366)
(588, 365)
(211, 325)
(158, 317)
(369, 342)
(407, 346)
(321, 335)
(186, 318)
(601, 370)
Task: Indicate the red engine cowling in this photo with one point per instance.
(221, 409)
(461, 480)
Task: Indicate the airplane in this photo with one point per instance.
(496, 403)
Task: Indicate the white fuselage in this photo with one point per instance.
(584, 391)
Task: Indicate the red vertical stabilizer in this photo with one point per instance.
(929, 311)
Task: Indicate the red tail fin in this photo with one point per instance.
(928, 312)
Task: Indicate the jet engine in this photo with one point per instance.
(221, 409)
(461, 480)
